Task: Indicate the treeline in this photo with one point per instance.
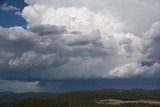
(32, 102)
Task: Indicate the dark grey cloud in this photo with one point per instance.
(19, 86)
(16, 39)
(47, 29)
(152, 42)
(23, 51)
(94, 84)
(27, 52)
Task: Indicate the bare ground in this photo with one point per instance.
(118, 102)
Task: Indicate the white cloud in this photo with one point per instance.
(74, 19)
(7, 7)
(133, 13)
(15, 33)
(133, 69)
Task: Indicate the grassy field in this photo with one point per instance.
(100, 98)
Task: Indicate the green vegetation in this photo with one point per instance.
(81, 99)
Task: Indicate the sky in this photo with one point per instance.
(69, 45)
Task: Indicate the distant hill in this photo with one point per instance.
(79, 98)
(105, 93)
(10, 96)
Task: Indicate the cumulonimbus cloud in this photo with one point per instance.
(63, 42)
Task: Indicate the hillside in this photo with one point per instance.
(138, 98)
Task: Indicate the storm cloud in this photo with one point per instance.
(75, 40)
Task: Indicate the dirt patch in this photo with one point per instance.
(118, 102)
